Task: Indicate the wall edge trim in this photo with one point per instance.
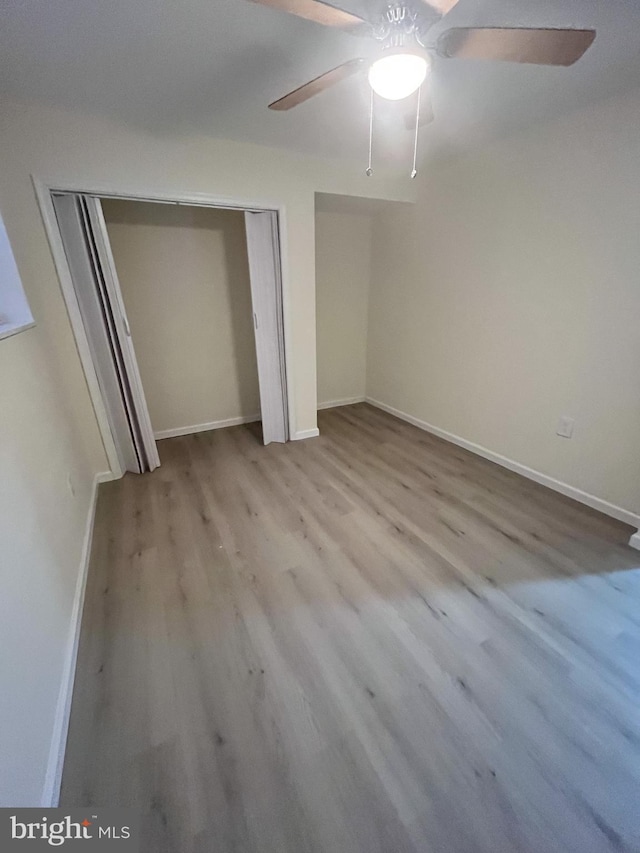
(305, 433)
(634, 541)
(53, 777)
(189, 430)
(346, 401)
(563, 488)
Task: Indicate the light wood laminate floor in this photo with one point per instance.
(369, 641)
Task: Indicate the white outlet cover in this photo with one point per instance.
(565, 427)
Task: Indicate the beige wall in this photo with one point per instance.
(509, 299)
(343, 253)
(47, 438)
(510, 295)
(47, 425)
(184, 276)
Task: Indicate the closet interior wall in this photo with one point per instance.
(184, 276)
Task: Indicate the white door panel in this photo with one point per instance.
(134, 392)
(70, 216)
(88, 253)
(266, 295)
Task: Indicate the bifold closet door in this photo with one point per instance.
(263, 250)
(122, 344)
(86, 246)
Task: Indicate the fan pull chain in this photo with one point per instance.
(369, 171)
(414, 171)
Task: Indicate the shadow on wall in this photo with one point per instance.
(184, 276)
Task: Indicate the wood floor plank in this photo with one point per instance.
(369, 641)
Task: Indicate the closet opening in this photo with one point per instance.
(177, 309)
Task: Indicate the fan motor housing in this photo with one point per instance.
(403, 24)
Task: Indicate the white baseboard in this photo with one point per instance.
(172, 433)
(635, 541)
(107, 477)
(347, 401)
(53, 777)
(188, 430)
(594, 502)
(305, 433)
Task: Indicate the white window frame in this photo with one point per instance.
(15, 314)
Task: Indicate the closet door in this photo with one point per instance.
(122, 344)
(103, 325)
(266, 295)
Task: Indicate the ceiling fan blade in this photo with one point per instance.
(318, 84)
(441, 6)
(426, 114)
(321, 13)
(535, 46)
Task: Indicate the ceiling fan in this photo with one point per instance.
(404, 57)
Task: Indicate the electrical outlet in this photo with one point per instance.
(565, 427)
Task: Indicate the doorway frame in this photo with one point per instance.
(43, 191)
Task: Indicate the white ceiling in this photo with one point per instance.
(213, 66)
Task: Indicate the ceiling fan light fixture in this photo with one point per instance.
(398, 74)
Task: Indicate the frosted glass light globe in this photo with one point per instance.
(398, 75)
